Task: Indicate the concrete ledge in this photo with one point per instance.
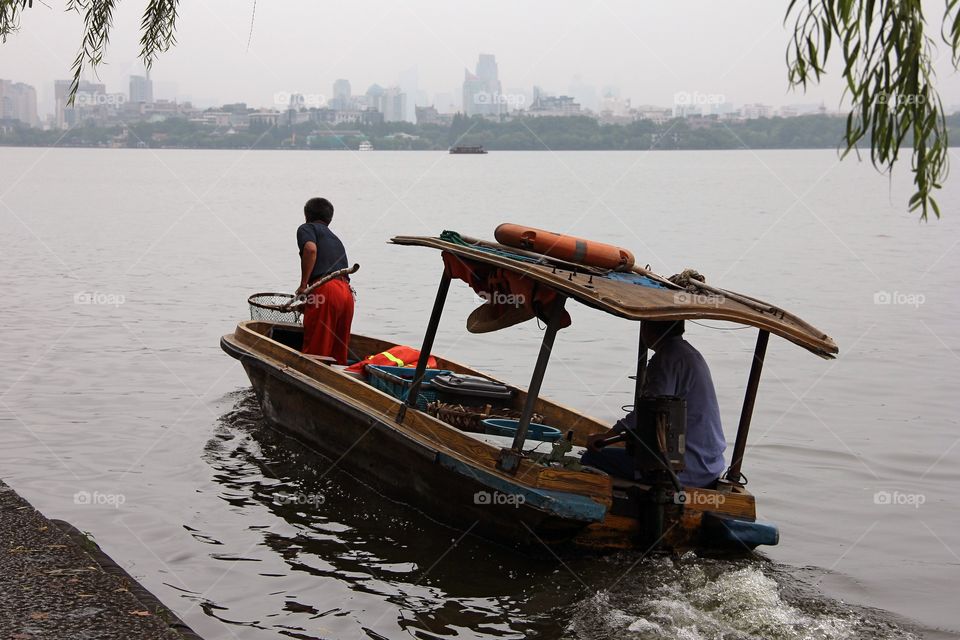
(57, 583)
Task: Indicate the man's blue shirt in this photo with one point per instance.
(331, 256)
(678, 369)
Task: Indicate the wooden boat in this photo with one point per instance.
(494, 486)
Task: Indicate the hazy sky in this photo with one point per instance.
(650, 51)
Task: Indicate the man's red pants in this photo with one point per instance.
(326, 320)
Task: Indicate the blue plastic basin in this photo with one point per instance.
(506, 427)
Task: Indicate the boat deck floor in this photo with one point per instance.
(533, 446)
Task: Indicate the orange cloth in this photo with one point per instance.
(398, 356)
(494, 284)
(326, 320)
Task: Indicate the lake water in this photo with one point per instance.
(121, 269)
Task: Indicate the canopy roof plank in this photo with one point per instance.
(636, 302)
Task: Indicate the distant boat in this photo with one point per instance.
(468, 149)
(365, 146)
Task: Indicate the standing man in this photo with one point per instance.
(676, 369)
(328, 313)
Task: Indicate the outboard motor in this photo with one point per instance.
(659, 437)
(657, 443)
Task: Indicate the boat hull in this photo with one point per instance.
(453, 477)
(370, 448)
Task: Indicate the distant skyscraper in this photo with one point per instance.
(481, 90)
(141, 89)
(394, 105)
(487, 68)
(391, 102)
(341, 95)
(88, 95)
(374, 97)
(18, 101)
(474, 94)
(410, 85)
(61, 90)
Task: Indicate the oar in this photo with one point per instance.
(302, 298)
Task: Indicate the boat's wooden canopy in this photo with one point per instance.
(635, 302)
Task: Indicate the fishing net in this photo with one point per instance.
(271, 307)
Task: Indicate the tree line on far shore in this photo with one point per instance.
(529, 134)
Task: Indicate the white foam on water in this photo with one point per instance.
(642, 625)
(750, 602)
(691, 603)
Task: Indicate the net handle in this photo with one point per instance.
(302, 298)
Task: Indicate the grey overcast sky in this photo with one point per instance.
(650, 51)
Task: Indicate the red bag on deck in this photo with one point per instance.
(398, 356)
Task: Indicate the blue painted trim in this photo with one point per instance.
(734, 531)
(570, 506)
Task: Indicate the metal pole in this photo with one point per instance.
(427, 346)
(641, 373)
(750, 398)
(510, 458)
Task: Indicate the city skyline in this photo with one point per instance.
(480, 96)
(313, 116)
(647, 54)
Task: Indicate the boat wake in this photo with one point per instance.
(696, 599)
(406, 576)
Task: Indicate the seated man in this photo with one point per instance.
(676, 369)
(328, 313)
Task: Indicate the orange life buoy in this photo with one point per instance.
(562, 247)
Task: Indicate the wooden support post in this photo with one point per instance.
(510, 458)
(427, 345)
(750, 398)
(641, 371)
